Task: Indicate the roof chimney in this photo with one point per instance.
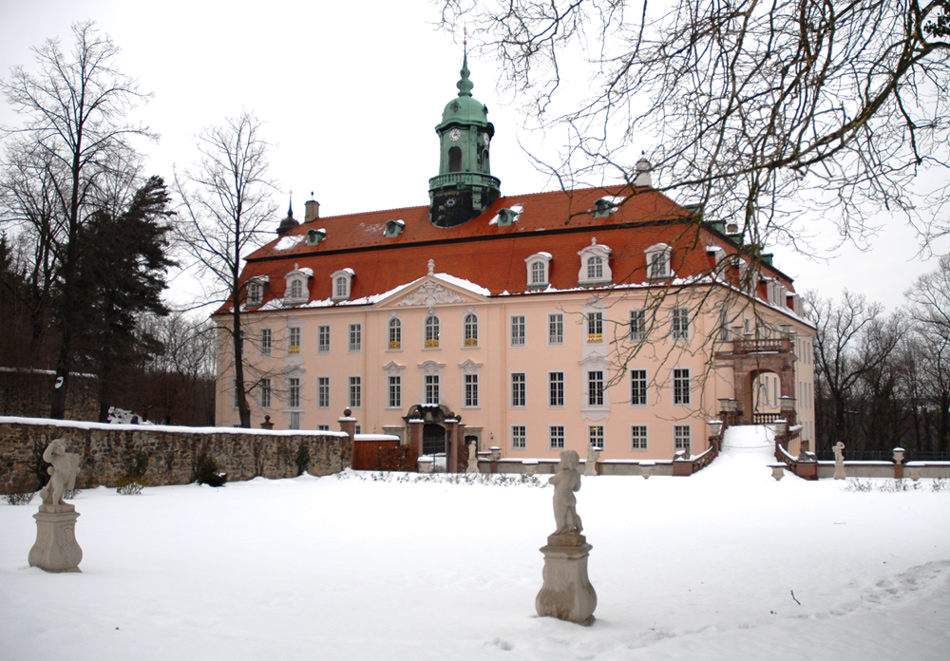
(311, 210)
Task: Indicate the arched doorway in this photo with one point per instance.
(433, 438)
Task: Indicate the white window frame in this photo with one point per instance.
(680, 323)
(293, 339)
(519, 437)
(267, 341)
(638, 324)
(393, 388)
(556, 437)
(639, 387)
(255, 291)
(596, 386)
(639, 442)
(342, 284)
(293, 392)
(682, 378)
(658, 262)
(596, 434)
(355, 335)
(470, 385)
(323, 338)
(432, 331)
(538, 270)
(555, 329)
(517, 330)
(266, 393)
(296, 291)
(603, 275)
(470, 330)
(682, 433)
(519, 390)
(354, 393)
(595, 327)
(394, 334)
(323, 392)
(556, 390)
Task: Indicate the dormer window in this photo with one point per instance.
(604, 207)
(315, 236)
(595, 265)
(342, 283)
(658, 262)
(538, 270)
(393, 228)
(297, 290)
(255, 291)
(506, 217)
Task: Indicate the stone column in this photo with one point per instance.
(56, 549)
(415, 434)
(567, 593)
(451, 453)
(348, 424)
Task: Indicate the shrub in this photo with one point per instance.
(207, 472)
(130, 485)
(20, 498)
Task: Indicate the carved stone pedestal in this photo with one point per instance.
(567, 593)
(56, 549)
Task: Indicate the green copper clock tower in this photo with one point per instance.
(464, 187)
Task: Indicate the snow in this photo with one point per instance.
(726, 564)
(288, 242)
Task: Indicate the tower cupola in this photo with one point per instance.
(464, 186)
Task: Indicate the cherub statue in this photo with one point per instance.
(62, 473)
(566, 481)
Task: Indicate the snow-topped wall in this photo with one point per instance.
(164, 454)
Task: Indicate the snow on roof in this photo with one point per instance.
(289, 241)
(463, 284)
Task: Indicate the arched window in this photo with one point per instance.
(432, 332)
(538, 265)
(455, 159)
(471, 330)
(595, 265)
(342, 282)
(658, 262)
(395, 334)
(296, 289)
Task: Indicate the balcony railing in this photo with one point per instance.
(595, 338)
(776, 345)
(293, 348)
(471, 341)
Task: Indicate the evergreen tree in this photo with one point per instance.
(122, 269)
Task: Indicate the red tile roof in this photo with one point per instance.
(560, 223)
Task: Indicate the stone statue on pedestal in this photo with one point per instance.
(567, 593)
(839, 461)
(56, 549)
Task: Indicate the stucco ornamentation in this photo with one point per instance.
(431, 294)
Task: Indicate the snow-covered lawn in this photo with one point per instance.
(727, 564)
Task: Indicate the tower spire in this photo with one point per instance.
(464, 84)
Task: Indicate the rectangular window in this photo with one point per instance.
(356, 337)
(267, 341)
(595, 327)
(680, 325)
(595, 436)
(293, 344)
(356, 393)
(323, 427)
(519, 437)
(681, 437)
(555, 388)
(638, 325)
(395, 391)
(323, 339)
(295, 420)
(518, 389)
(517, 330)
(471, 390)
(556, 437)
(432, 389)
(556, 328)
(638, 387)
(323, 392)
(638, 437)
(595, 388)
(293, 392)
(681, 386)
(265, 393)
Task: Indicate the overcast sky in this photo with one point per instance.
(328, 79)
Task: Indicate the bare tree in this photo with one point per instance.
(226, 205)
(75, 107)
(854, 345)
(761, 111)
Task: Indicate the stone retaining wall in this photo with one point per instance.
(165, 454)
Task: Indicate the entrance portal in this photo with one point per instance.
(433, 439)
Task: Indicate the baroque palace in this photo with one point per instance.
(530, 323)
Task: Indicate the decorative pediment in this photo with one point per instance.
(431, 294)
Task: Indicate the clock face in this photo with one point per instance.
(455, 134)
